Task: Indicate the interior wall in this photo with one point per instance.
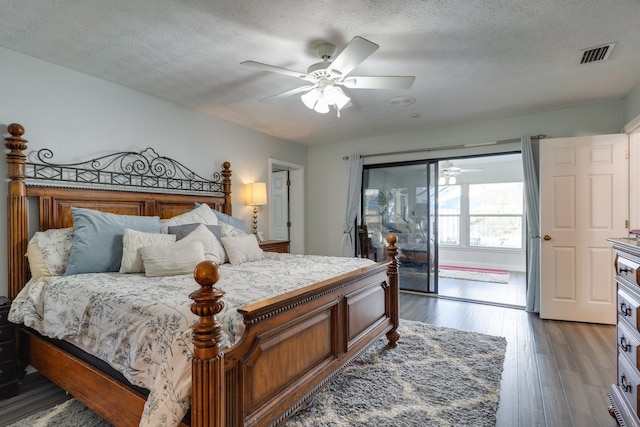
(328, 173)
(79, 117)
(632, 105)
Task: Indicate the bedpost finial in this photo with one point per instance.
(392, 250)
(207, 273)
(226, 165)
(16, 143)
(392, 238)
(15, 129)
(207, 299)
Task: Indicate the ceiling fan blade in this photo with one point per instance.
(379, 82)
(352, 55)
(274, 69)
(288, 93)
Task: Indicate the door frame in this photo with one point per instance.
(296, 203)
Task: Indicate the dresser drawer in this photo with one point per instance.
(628, 344)
(7, 351)
(8, 372)
(628, 269)
(629, 382)
(7, 332)
(4, 313)
(628, 308)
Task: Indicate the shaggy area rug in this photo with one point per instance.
(435, 377)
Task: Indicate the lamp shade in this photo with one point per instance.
(255, 194)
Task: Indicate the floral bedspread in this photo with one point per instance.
(142, 326)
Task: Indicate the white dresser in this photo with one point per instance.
(624, 394)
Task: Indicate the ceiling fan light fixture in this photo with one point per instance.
(310, 98)
(322, 106)
(335, 96)
(320, 100)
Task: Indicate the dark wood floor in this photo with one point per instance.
(36, 393)
(556, 374)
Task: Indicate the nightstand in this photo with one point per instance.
(8, 370)
(281, 246)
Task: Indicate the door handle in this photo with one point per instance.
(547, 237)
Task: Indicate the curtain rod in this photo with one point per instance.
(450, 147)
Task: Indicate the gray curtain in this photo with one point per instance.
(532, 210)
(353, 204)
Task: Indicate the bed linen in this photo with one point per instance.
(142, 326)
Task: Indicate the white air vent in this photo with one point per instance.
(596, 54)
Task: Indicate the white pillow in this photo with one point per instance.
(202, 215)
(213, 250)
(171, 260)
(242, 249)
(132, 241)
(229, 230)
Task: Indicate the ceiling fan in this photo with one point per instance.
(448, 172)
(326, 78)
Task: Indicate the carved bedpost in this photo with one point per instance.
(226, 187)
(392, 272)
(208, 393)
(17, 215)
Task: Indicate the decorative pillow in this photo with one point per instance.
(171, 260)
(37, 265)
(132, 241)
(242, 249)
(97, 239)
(54, 247)
(181, 231)
(202, 214)
(213, 250)
(231, 220)
(231, 231)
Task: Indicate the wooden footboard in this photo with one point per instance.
(293, 344)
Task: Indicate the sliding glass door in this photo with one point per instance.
(403, 199)
(459, 221)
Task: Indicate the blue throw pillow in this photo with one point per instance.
(236, 222)
(97, 239)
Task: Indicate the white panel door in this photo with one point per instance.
(279, 205)
(584, 193)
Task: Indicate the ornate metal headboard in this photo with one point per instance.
(143, 170)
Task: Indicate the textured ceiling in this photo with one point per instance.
(473, 60)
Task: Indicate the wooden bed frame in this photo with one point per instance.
(293, 345)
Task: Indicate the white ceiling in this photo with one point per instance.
(473, 60)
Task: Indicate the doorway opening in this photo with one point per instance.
(286, 204)
(460, 224)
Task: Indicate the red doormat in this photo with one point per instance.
(474, 274)
(478, 270)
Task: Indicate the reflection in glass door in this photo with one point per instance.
(403, 199)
